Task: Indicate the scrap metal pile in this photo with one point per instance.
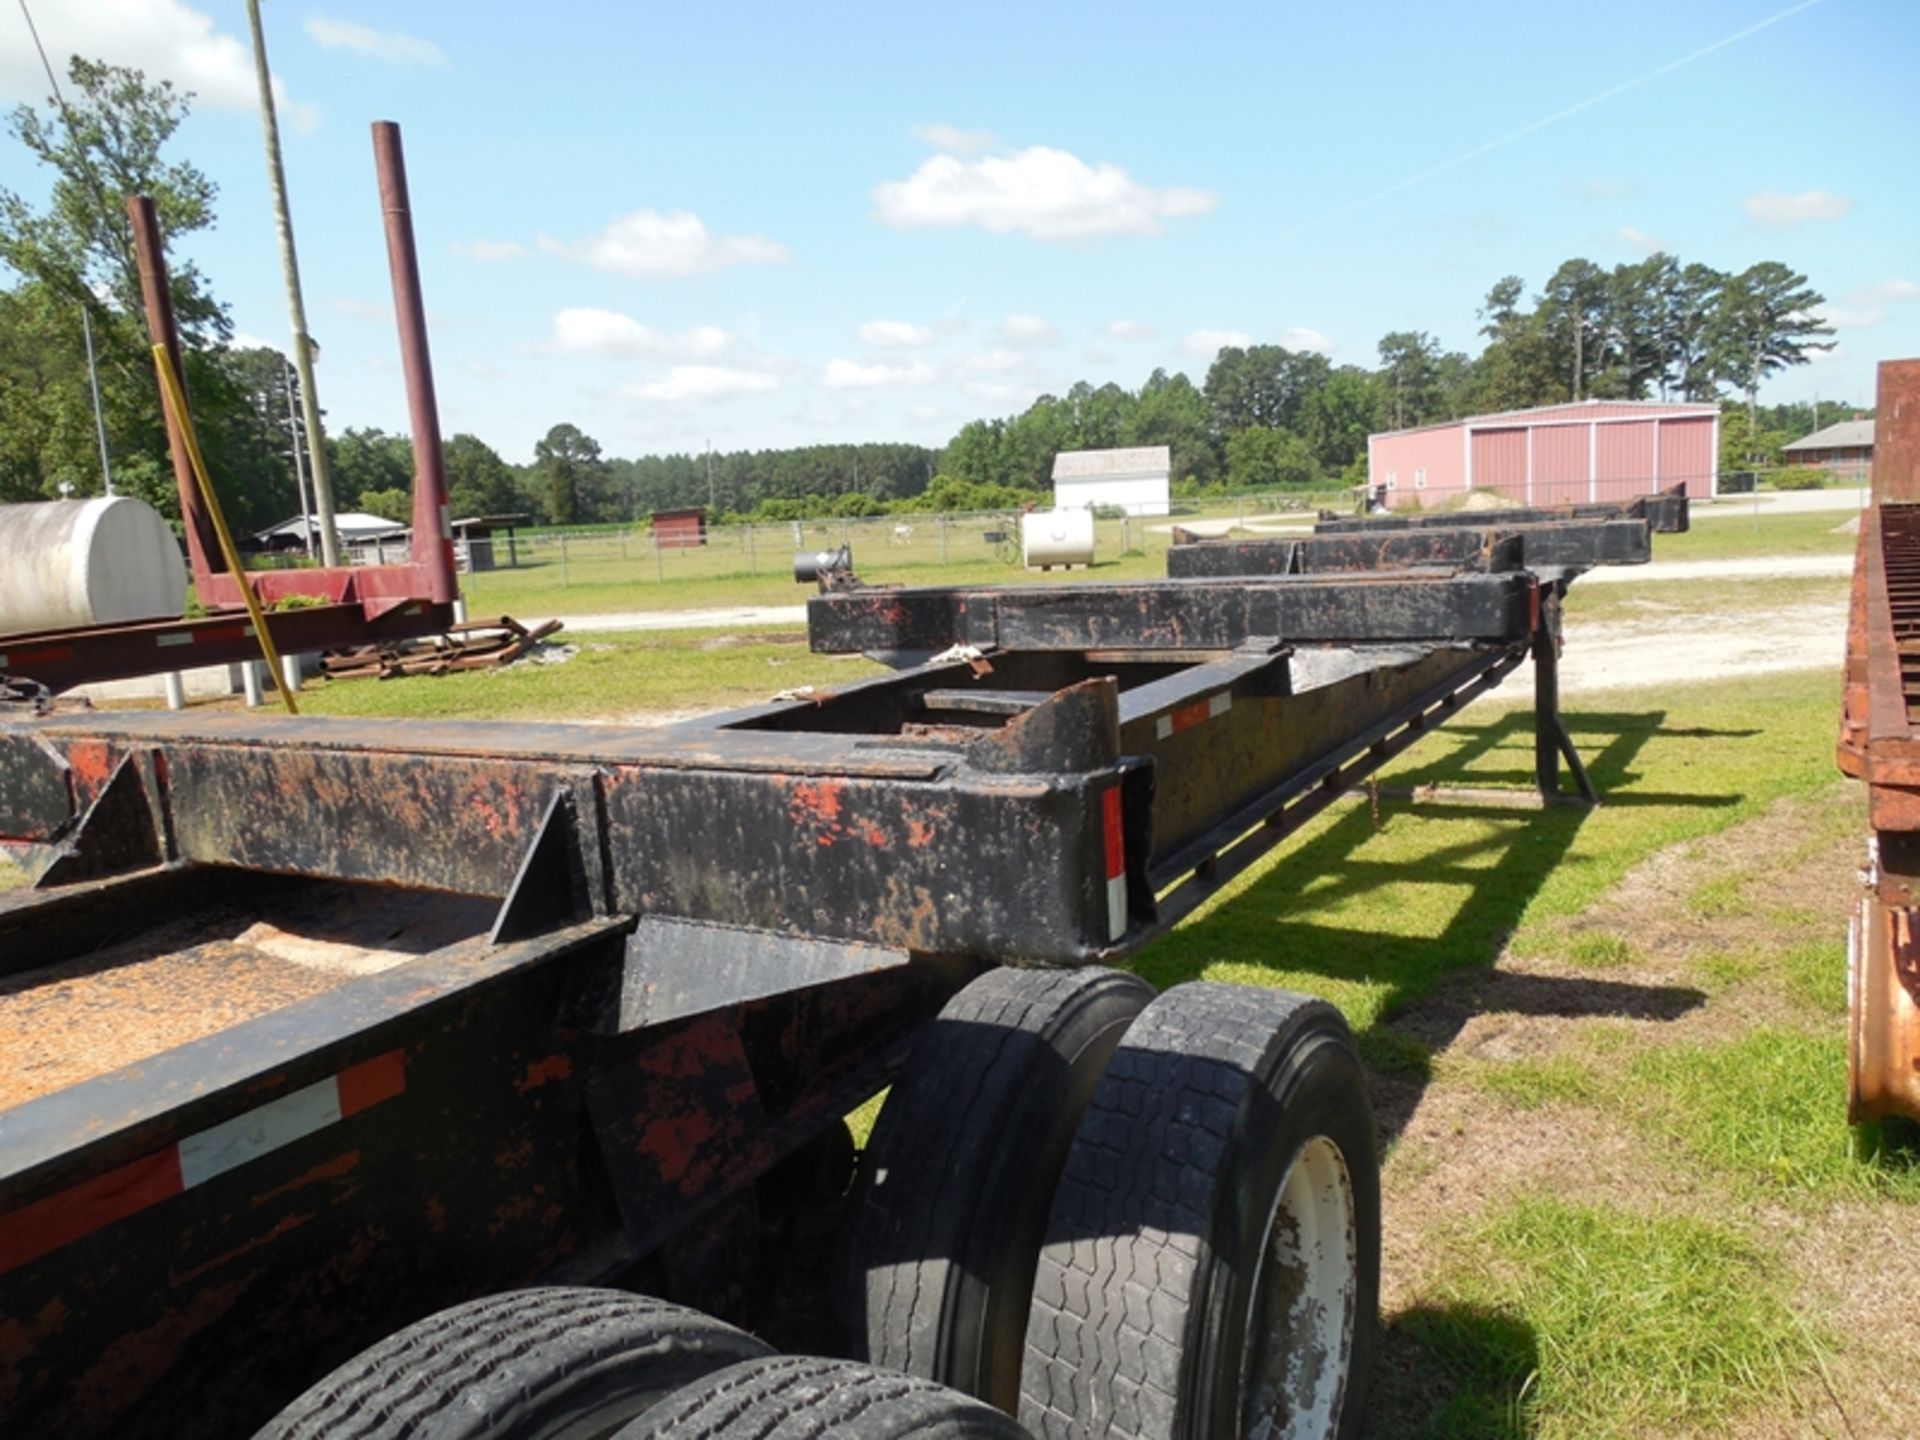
(475, 645)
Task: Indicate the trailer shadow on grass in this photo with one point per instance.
(1375, 915)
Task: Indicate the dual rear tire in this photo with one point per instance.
(1113, 1215)
(1208, 1265)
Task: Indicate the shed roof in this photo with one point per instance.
(1139, 462)
(348, 524)
(1846, 433)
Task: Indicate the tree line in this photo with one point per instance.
(1262, 415)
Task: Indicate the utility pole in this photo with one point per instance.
(99, 424)
(299, 470)
(296, 307)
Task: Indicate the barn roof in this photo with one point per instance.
(1569, 410)
(1137, 463)
(1847, 432)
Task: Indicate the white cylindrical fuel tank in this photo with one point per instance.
(1057, 537)
(87, 562)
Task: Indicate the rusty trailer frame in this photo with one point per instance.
(341, 606)
(1879, 743)
(316, 1026)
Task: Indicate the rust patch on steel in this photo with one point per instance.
(544, 1072)
(334, 1169)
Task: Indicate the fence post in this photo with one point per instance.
(659, 566)
(753, 565)
(943, 539)
(563, 557)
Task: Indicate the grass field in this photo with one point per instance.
(696, 579)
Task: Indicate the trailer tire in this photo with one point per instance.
(1212, 1267)
(555, 1363)
(798, 1397)
(936, 1263)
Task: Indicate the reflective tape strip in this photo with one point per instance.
(179, 637)
(232, 1143)
(78, 1211)
(1188, 716)
(1116, 847)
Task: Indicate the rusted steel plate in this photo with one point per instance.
(1177, 614)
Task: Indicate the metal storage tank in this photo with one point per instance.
(87, 562)
(1056, 537)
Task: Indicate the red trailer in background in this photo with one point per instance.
(357, 604)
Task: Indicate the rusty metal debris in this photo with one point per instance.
(475, 645)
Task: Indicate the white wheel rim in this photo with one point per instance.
(1300, 1316)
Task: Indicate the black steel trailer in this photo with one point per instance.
(315, 1028)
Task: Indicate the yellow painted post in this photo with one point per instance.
(170, 387)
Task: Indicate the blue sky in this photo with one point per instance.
(777, 224)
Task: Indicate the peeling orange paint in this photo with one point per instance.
(544, 1072)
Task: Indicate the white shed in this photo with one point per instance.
(1137, 480)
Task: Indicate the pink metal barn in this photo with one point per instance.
(1552, 455)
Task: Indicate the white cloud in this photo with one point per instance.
(701, 383)
(925, 414)
(1208, 343)
(996, 360)
(1041, 192)
(650, 245)
(852, 375)
(1028, 330)
(167, 39)
(490, 250)
(1018, 396)
(393, 46)
(1305, 337)
(1852, 317)
(1885, 292)
(1636, 239)
(1774, 207)
(609, 335)
(246, 340)
(896, 334)
(359, 309)
(1129, 330)
(953, 139)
